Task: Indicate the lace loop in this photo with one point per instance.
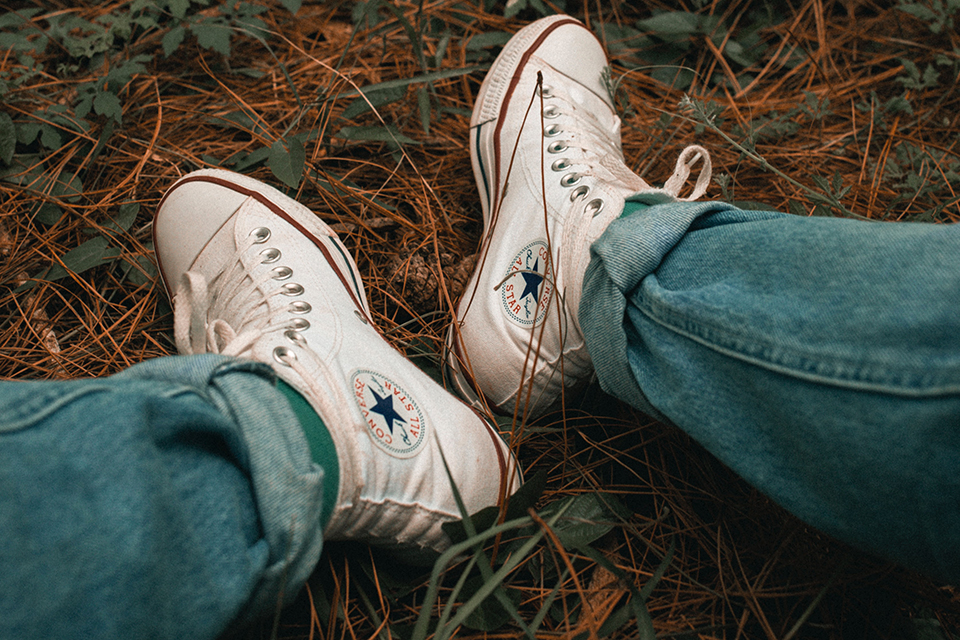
(687, 159)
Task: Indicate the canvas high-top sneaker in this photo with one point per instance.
(549, 166)
(255, 274)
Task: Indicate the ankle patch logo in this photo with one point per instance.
(526, 290)
(393, 418)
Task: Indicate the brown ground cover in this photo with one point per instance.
(821, 108)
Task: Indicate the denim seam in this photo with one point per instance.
(840, 372)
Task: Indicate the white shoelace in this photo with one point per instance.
(687, 159)
(199, 327)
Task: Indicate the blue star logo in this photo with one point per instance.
(384, 407)
(531, 282)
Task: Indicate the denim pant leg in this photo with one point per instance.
(818, 358)
(170, 501)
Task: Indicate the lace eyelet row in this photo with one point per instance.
(271, 255)
(284, 354)
(593, 207)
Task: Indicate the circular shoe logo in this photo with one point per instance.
(525, 292)
(393, 418)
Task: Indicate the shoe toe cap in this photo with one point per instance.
(574, 51)
(190, 214)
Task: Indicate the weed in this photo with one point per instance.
(938, 14)
(100, 58)
(670, 43)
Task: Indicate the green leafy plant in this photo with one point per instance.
(101, 57)
(915, 79)
(666, 43)
(108, 245)
(938, 14)
(828, 199)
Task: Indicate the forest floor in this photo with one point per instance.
(814, 107)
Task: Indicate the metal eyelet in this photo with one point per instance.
(551, 112)
(570, 179)
(556, 147)
(560, 165)
(260, 235)
(552, 130)
(594, 207)
(579, 192)
(291, 289)
(270, 255)
(546, 91)
(299, 324)
(279, 353)
(362, 317)
(300, 306)
(295, 338)
(282, 273)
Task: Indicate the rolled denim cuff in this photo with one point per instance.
(273, 450)
(629, 250)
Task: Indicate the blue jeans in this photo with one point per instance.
(170, 501)
(818, 358)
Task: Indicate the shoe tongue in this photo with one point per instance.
(229, 237)
(221, 245)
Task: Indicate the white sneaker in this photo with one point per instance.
(257, 275)
(551, 179)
